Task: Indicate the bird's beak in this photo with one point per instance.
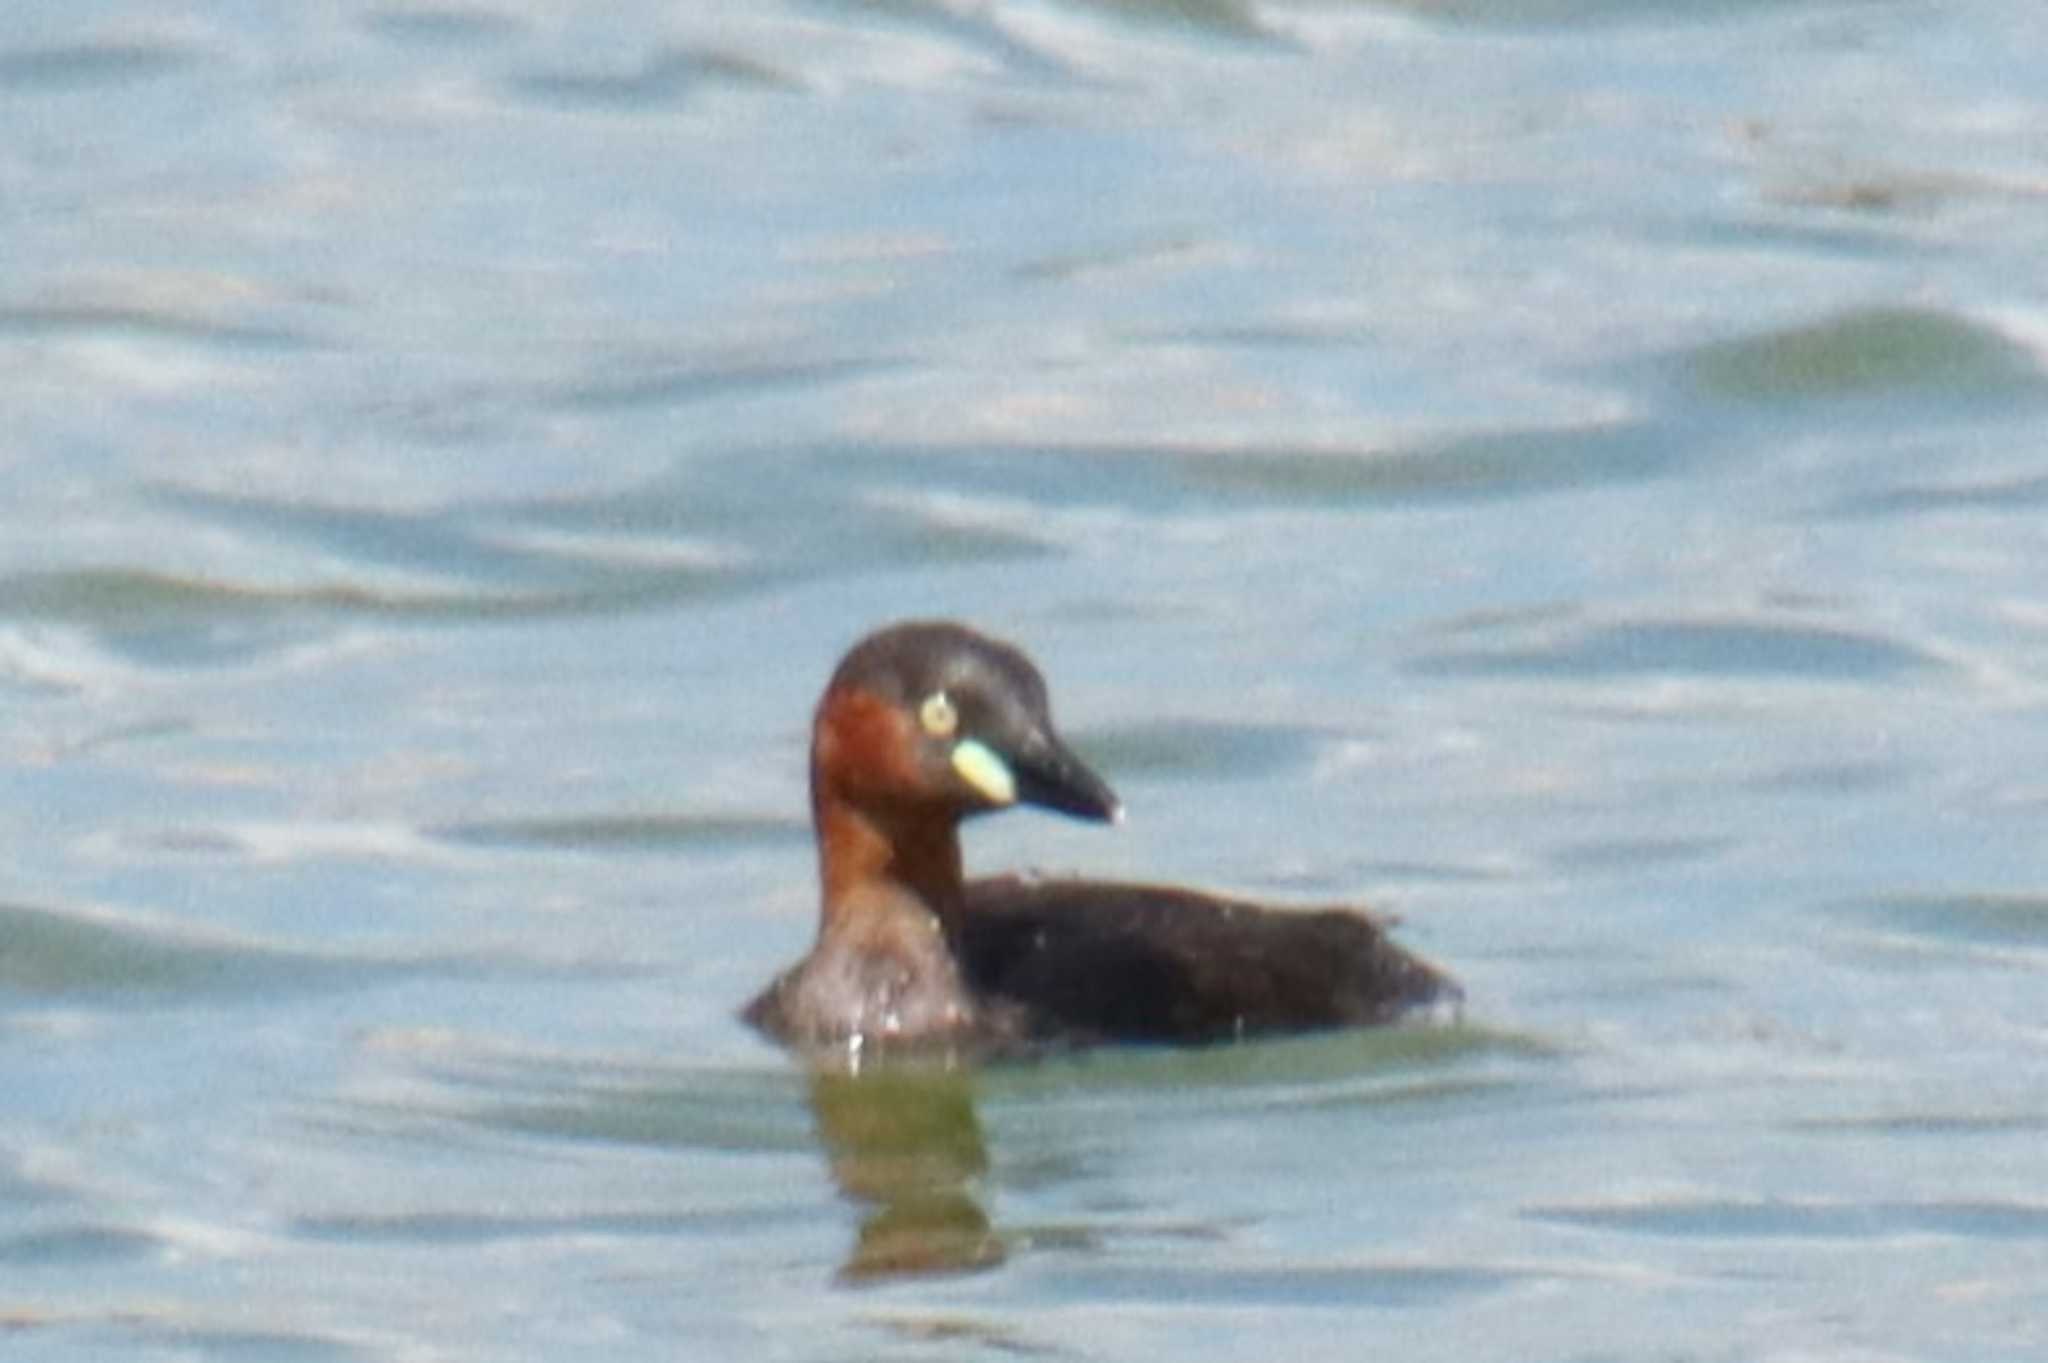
(1045, 772)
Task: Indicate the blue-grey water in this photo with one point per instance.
(1569, 472)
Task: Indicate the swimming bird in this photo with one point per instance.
(927, 723)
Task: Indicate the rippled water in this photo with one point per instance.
(1568, 473)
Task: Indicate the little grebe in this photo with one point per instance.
(927, 723)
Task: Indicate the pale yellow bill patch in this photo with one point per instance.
(979, 766)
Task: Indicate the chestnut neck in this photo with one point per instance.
(868, 855)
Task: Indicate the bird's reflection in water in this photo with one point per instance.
(905, 1142)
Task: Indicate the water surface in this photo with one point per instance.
(1569, 474)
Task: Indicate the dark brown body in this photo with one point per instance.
(1085, 961)
(1078, 962)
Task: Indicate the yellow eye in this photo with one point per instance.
(938, 716)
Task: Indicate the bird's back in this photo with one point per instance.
(1087, 961)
